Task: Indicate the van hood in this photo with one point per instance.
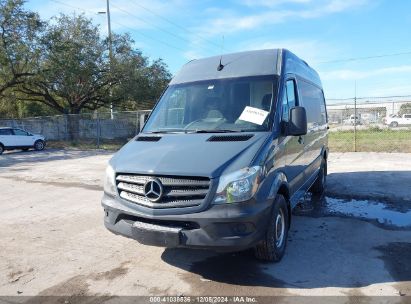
(188, 154)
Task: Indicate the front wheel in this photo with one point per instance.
(39, 145)
(1, 149)
(272, 248)
(394, 124)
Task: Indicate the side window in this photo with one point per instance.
(5, 131)
(291, 94)
(407, 116)
(322, 108)
(313, 100)
(19, 132)
(289, 99)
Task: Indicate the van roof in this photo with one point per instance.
(243, 64)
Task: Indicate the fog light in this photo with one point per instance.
(240, 228)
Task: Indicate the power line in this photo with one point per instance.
(204, 39)
(176, 24)
(366, 57)
(151, 24)
(148, 36)
(73, 7)
(133, 30)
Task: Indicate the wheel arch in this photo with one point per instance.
(280, 186)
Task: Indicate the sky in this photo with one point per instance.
(327, 34)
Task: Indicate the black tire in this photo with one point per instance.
(25, 149)
(319, 185)
(394, 124)
(1, 149)
(273, 246)
(39, 145)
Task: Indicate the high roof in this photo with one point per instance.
(250, 63)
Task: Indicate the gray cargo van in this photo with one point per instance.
(227, 152)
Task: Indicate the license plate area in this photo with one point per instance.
(156, 235)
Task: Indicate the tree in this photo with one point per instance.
(19, 31)
(64, 64)
(405, 108)
(74, 71)
(141, 83)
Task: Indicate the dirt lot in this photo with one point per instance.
(354, 241)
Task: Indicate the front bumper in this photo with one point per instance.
(227, 227)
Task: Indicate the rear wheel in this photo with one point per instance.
(272, 248)
(25, 149)
(39, 145)
(319, 184)
(1, 149)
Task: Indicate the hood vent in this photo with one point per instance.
(244, 137)
(148, 138)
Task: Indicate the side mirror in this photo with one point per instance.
(297, 124)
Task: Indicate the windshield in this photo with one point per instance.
(223, 105)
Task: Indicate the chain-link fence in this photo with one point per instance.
(380, 126)
(88, 129)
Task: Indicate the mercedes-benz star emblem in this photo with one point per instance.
(153, 190)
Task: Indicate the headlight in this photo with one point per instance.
(109, 181)
(238, 186)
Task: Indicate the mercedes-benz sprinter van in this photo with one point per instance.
(229, 149)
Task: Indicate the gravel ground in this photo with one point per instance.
(53, 241)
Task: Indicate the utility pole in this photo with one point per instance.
(110, 49)
(355, 117)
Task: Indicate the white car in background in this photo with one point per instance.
(353, 120)
(395, 121)
(14, 138)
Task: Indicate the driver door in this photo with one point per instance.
(295, 162)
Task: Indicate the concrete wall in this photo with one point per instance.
(123, 125)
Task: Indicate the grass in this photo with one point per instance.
(371, 140)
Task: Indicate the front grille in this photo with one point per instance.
(178, 192)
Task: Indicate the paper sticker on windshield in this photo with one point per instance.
(254, 115)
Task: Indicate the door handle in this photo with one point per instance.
(300, 140)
